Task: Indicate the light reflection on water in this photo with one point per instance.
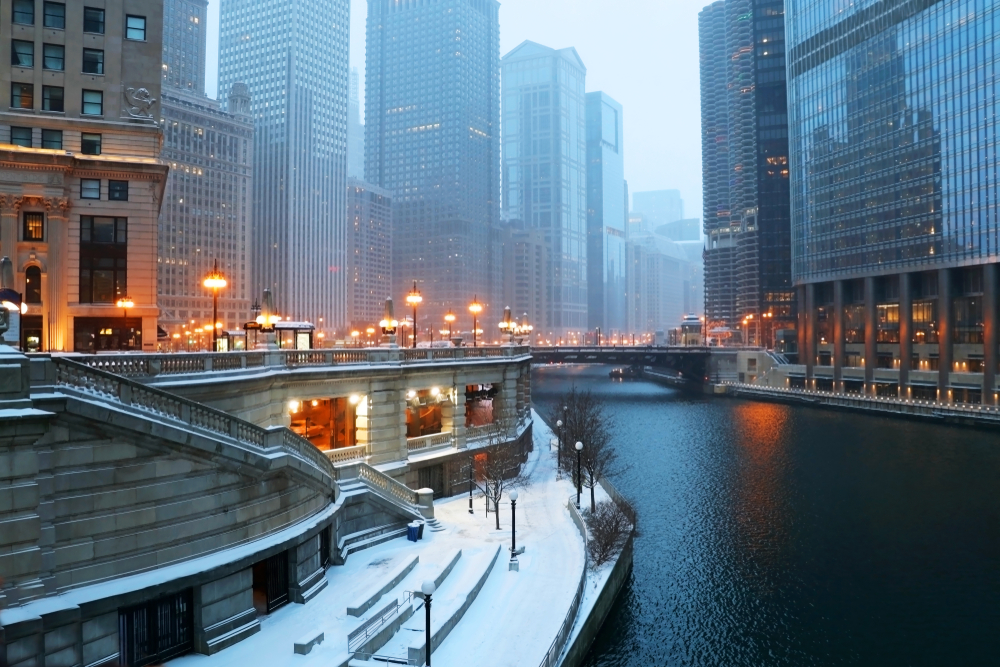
(779, 535)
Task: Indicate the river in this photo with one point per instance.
(789, 535)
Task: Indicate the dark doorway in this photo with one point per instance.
(325, 540)
(270, 583)
(432, 477)
(31, 333)
(156, 631)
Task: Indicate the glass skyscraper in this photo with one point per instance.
(894, 194)
(544, 172)
(293, 56)
(607, 215)
(432, 111)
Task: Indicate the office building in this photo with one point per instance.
(369, 253)
(432, 138)
(894, 216)
(607, 215)
(663, 283)
(544, 170)
(745, 164)
(355, 131)
(81, 186)
(292, 54)
(526, 274)
(206, 212)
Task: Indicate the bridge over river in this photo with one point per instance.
(692, 364)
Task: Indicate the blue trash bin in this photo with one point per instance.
(420, 530)
(412, 532)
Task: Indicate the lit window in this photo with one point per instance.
(22, 95)
(33, 226)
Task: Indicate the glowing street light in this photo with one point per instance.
(414, 298)
(475, 308)
(449, 317)
(215, 281)
(125, 303)
(506, 325)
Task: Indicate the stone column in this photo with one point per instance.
(989, 333)
(387, 423)
(944, 334)
(838, 335)
(905, 332)
(810, 347)
(55, 295)
(871, 325)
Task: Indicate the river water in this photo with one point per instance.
(789, 535)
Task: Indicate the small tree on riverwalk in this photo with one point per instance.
(498, 464)
(587, 422)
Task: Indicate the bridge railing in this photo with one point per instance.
(149, 365)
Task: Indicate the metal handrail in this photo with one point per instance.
(375, 623)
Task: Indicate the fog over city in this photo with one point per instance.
(644, 53)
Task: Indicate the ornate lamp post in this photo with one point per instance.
(507, 326)
(579, 480)
(215, 281)
(449, 317)
(513, 524)
(559, 426)
(388, 325)
(475, 308)
(414, 298)
(125, 303)
(427, 588)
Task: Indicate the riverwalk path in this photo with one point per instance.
(513, 616)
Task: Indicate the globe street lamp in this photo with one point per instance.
(475, 308)
(215, 281)
(449, 317)
(413, 298)
(559, 426)
(427, 588)
(513, 525)
(579, 490)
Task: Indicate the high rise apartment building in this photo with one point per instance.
(894, 216)
(206, 213)
(545, 174)
(432, 138)
(607, 215)
(81, 183)
(526, 275)
(369, 253)
(292, 54)
(745, 163)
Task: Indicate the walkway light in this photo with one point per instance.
(513, 525)
(427, 588)
(215, 281)
(579, 490)
(449, 317)
(414, 298)
(475, 308)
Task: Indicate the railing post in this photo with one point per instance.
(207, 363)
(185, 413)
(124, 393)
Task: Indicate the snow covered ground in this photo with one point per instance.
(512, 621)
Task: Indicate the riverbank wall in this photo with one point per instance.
(977, 416)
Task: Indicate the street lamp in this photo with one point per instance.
(559, 425)
(472, 481)
(579, 490)
(354, 335)
(506, 325)
(513, 524)
(215, 281)
(413, 298)
(427, 588)
(370, 331)
(125, 303)
(449, 317)
(475, 308)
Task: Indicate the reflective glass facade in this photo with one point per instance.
(894, 140)
(432, 111)
(607, 215)
(544, 171)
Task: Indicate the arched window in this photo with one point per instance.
(33, 285)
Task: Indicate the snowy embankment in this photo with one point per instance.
(513, 618)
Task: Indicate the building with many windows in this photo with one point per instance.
(745, 164)
(544, 171)
(526, 275)
(607, 215)
(369, 253)
(894, 217)
(80, 179)
(292, 54)
(355, 131)
(206, 216)
(432, 138)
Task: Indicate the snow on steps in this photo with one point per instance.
(371, 537)
(361, 606)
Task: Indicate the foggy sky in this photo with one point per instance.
(643, 53)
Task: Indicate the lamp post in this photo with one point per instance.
(579, 489)
(427, 588)
(559, 426)
(449, 317)
(389, 324)
(414, 298)
(125, 303)
(475, 308)
(513, 524)
(255, 309)
(355, 335)
(215, 281)
(472, 482)
(506, 325)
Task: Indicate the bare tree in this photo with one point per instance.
(609, 526)
(498, 464)
(588, 422)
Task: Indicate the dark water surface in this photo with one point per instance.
(779, 535)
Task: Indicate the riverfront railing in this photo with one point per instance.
(148, 365)
(566, 628)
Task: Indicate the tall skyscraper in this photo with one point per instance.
(293, 56)
(206, 212)
(355, 131)
(432, 138)
(894, 206)
(607, 215)
(745, 163)
(82, 184)
(658, 207)
(369, 252)
(544, 172)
